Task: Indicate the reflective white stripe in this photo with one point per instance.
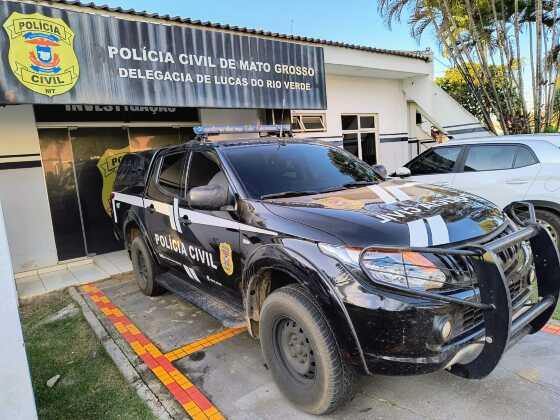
(418, 233)
(440, 233)
(169, 259)
(191, 273)
(114, 210)
(176, 215)
(396, 191)
(382, 194)
(127, 198)
(194, 216)
(207, 219)
(163, 208)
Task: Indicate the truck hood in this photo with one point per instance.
(393, 212)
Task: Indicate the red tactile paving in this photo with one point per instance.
(193, 401)
(552, 329)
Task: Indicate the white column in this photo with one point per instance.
(16, 397)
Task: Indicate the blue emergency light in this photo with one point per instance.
(205, 130)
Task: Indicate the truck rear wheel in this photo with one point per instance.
(145, 268)
(300, 349)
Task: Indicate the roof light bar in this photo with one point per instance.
(205, 130)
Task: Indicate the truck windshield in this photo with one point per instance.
(282, 170)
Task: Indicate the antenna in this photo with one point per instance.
(284, 94)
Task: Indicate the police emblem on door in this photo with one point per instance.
(226, 258)
(41, 53)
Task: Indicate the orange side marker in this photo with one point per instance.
(203, 343)
(189, 396)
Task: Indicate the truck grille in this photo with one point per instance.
(512, 260)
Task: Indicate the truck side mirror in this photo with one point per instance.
(209, 197)
(403, 172)
(381, 170)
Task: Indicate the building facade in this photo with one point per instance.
(83, 85)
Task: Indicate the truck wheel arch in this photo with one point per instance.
(132, 227)
(273, 266)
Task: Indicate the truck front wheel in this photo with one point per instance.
(145, 268)
(300, 349)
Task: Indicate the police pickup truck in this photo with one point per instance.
(334, 268)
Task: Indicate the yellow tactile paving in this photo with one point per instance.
(185, 392)
(203, 343)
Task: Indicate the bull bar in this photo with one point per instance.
(502, 328)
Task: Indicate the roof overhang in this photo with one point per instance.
(360, 63)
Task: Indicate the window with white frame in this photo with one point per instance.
(360, 133)
(308, 123)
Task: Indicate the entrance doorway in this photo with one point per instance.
(80, 167)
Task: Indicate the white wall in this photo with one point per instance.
(16, 398)
(23, 192)
(347, 95)
(442, 108)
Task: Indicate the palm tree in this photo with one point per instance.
(487, 35)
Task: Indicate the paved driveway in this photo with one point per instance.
(228, 369)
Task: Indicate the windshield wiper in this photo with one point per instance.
(288, 194)
(358, 184)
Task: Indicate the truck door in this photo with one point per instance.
(212, 237)
(165, 189)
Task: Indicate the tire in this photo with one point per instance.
(551, 222)
(145, 268)
(292, 326)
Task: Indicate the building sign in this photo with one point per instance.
(41, 53)
(58, 56)
(117, 113)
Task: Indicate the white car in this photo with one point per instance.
(500, 169)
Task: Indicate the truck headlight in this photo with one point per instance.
(392, 267)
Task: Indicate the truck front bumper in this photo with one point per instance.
(403, 331)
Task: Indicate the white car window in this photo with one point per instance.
(525, 158)
(490, 158)
(439, 160)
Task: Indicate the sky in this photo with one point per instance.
(350, 21)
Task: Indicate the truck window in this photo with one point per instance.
(272, 169)
(171, 173)
(132, 171)
(204, 170)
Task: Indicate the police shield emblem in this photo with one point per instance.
(226, 258)
(41, 54)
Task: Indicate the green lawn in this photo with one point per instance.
(90, 386)
(557, 313)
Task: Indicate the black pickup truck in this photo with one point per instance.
(333, 267)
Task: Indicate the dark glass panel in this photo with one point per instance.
(369, 154)
(350, 143)
(97, 155)
(349, 122)
(56, 153)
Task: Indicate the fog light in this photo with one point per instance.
(445, 328)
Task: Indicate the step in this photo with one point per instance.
(230, 316)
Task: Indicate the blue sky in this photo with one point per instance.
(352, 21)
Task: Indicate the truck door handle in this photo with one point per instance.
(517, 181)
(185, 220)
(151, 208)
(442, 183)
